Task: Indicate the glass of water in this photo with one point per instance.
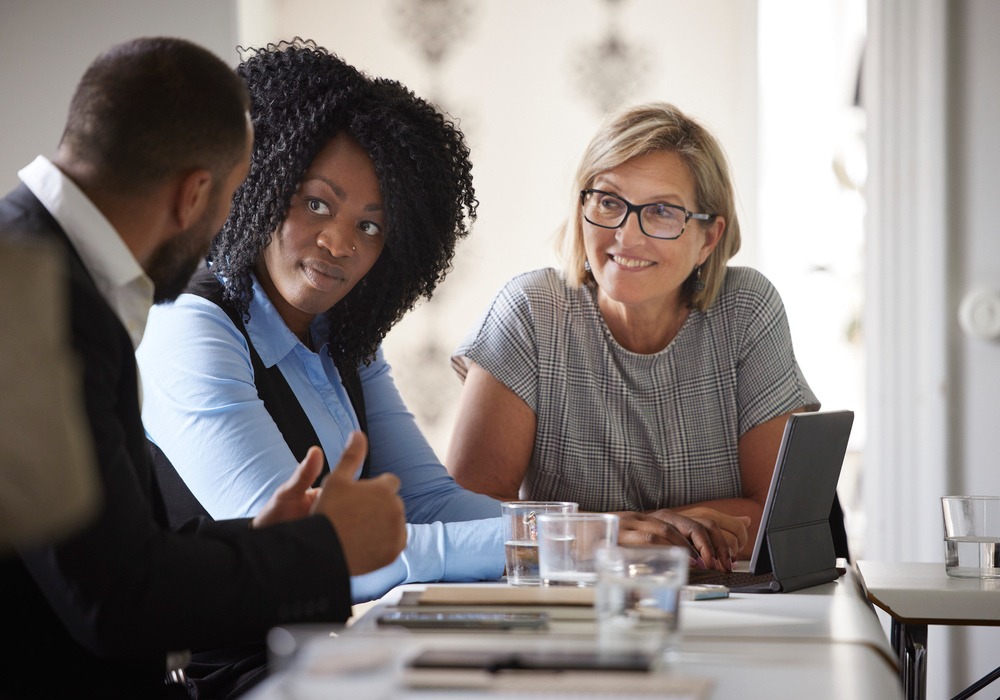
(568, 545)
(638, 597)
(520, 537)
(971, 536)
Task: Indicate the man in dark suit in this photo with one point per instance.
(157, 140)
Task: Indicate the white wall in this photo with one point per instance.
(45, 45)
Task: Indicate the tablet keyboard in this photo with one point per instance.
(736, 581)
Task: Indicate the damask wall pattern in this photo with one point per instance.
(605, 68)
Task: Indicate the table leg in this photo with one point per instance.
(910, 644)
(978, 685)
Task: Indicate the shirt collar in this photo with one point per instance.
(104, 253)
(268, 332)
(117, 274)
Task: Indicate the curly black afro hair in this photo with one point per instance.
(301, 96)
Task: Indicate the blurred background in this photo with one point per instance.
(863, 139)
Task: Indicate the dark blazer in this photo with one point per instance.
(99, 611)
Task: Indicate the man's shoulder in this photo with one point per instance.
(22, 213)
(25, 221)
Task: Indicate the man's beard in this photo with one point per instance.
(172, 264)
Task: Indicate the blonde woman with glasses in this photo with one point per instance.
(647, 376)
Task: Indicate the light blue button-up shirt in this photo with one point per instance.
(201, 407)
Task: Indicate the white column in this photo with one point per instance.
(906, 318)
(906, 323)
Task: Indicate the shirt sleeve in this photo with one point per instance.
(504, 341)
(769, 381)
(201, 407)
(457, 551)
(454, 534)
(399, 447)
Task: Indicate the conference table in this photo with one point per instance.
(918, 594)
(822, 642)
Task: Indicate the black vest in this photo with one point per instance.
(278, 399)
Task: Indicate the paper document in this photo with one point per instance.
(503, 595)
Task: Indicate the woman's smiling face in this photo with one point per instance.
(630, 267)
(333, 233)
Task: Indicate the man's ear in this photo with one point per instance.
(192, 196)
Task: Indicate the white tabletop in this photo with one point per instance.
(834, 612)
(824, 642)
(922, 593)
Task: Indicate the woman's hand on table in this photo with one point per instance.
(735, 528)
(707, 541)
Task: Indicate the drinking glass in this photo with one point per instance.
(568, 544)
(971, 536)
(637, 601)
(520, 536)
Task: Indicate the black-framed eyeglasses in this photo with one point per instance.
(656, 219)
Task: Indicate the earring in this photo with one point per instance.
(354, 248)
(699, 285)
(586, 265)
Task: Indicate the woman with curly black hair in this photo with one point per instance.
(357, 194)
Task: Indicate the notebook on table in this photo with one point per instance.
(794, 547)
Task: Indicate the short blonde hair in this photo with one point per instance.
(636, 131)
